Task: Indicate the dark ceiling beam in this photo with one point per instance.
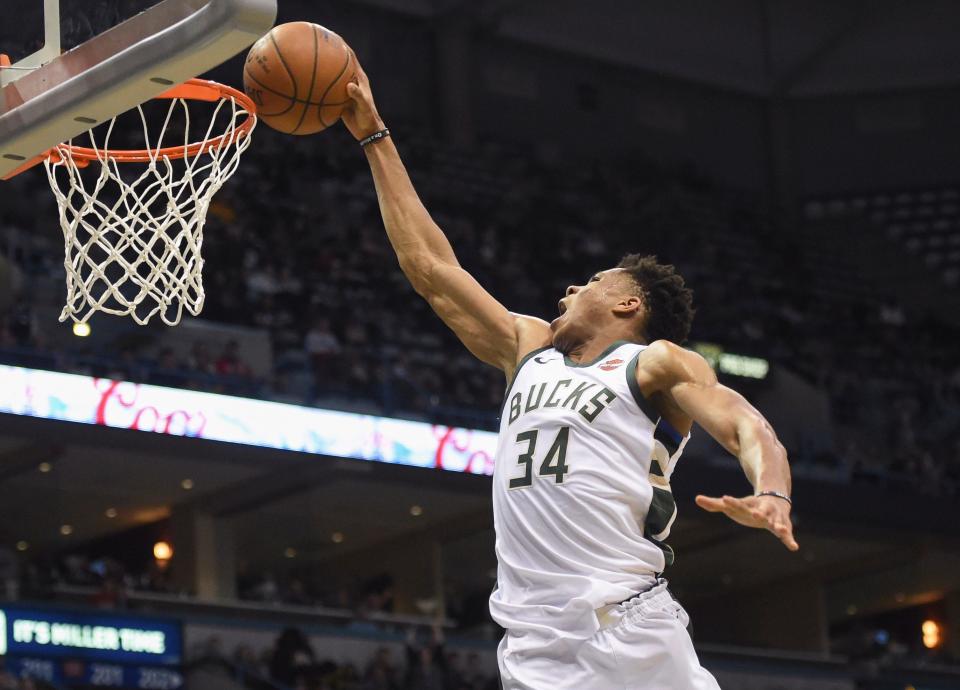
(25, 459)
(448, 529)
(485, 13)
(793, 76)
(261, 490)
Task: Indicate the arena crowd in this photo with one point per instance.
(308, 263)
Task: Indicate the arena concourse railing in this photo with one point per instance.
(186, 605)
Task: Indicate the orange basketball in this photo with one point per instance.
(297, 75)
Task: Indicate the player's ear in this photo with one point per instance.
(628, 305)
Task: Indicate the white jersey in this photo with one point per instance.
(581, 493)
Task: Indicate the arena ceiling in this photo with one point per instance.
(761, 47)
(779, 48)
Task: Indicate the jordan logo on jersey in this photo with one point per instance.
(594, 402)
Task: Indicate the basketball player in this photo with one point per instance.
(599, 406)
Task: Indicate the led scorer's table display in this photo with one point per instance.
(75, 648)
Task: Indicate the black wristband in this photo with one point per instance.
(777, 494)
(376, 136)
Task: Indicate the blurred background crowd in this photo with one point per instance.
(305, 260)
(292, 662)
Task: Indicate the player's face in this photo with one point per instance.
(585, 308)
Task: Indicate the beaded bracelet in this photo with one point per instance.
(777, 494)
(376, 136)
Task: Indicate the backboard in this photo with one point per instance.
(48, 97)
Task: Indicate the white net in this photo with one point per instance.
(133, 230)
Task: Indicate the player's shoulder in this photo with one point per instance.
(665, 362)
(532, 333)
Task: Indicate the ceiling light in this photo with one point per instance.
(81, 330)
(290, 552)
(22, 546)
(416, 511)
(931, 634)
(66, 530)
(162, 551)
(187, 484)
(111, 513)
(44, 467)
(337, 537)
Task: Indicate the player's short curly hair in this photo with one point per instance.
(669, 302)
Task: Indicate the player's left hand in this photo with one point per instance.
(360, 115)
(764, 512)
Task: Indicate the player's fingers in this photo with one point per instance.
(785, 534)
(712, 505)
(362, 77)
(783, 531)
(737, 507)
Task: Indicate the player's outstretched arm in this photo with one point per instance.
(688, 382)
(489, 331)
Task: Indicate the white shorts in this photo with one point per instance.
(642, 644)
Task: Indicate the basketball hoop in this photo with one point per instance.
(133, 219)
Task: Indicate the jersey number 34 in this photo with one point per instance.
(554, 463)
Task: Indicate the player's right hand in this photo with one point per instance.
(763, 512)
(360, 115)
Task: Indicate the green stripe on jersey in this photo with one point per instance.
(661, 511)
(645, 405)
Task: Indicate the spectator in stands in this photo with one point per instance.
(264, 588)
(293, 658)
(341, 677)
(210, 650)
(377, 594)
(426, 664)
(168, 370)
(200, 359)
(473, 674)
(296, 593)
(157, 578)
(229, 362)
(244, 656)
(323, 348)
(262, 282)
(381, 673)
(454, 678)
(112, 594)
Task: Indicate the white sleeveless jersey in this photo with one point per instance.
(581, 493)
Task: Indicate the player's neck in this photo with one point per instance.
(595, 346)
